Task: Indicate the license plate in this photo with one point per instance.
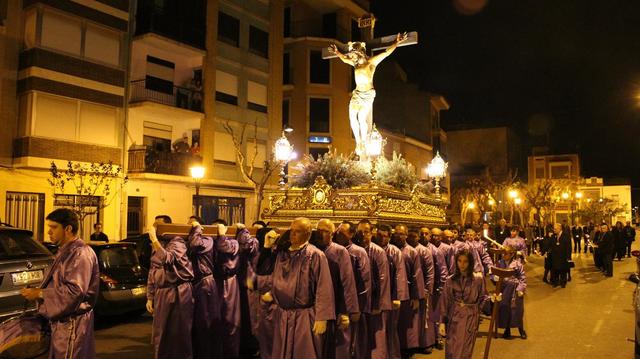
(139, 291)
(27, 277)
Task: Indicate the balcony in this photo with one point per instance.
(146, 160)
(170, 95)
(311, 28)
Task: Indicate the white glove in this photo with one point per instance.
(249, 283)
(344, 321)
(396, 304)
(319, 327)
(195, 223)
(240, 226)
(442, 330)
(496, 298)
(152, 234)
(520, 293)
(415, 304)
(222, 229)
(150, 306)
(270, 239)
(266, 297)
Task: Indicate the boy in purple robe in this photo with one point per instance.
(409, 329)
(303, 293)
(69, 291)
(428, 273)
(207, 341)
(380, 292)
(362, 275)
(338, 337)
(170, 297)
(399, 287)
(441, 274)
(463, 297)
(518, 243)
(511, 310)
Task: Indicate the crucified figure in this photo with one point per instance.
(361, 103)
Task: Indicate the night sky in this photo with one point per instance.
(567, 67)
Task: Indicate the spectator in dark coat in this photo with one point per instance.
(606, 248)
(560, 254)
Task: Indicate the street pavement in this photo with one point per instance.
(592, 317)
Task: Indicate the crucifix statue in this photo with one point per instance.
(361, 103)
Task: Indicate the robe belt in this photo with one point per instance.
(463, 304)
(309, 306)
(174, 285)
(203, 278)
(71, 317)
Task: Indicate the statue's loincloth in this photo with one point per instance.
(363, 98)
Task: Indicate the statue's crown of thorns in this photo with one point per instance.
(357, 45)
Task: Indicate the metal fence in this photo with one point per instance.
(26, 210)
(176, 96)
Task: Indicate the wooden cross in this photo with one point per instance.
(174, 229)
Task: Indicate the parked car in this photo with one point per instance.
(23, 262)
(143, 248)
(123, 282)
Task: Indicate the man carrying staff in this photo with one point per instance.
(169, 297)
(69, 291)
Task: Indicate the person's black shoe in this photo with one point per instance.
(439, 345)
(425, 351)
(569, 279)
(563, 285)
(545, 280)
(506, 334)
(523, 334)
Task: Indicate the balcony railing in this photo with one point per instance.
(316, 29)
(145, 160)
(176, 96)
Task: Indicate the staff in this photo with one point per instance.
(501, 273)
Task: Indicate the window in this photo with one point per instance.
(102, 45)
(329, 25)
(160, 74)
(286, 69)
(61, 32)
(560, 170)
(258, 42)
(228, 29)
(227, 208)
(316, 152)
(285, 113)
(319, 115)
(26, 210)
(287, 21)
(539, 169)
(91, 205)
(257, 97)
(226, 88)
(319, 69)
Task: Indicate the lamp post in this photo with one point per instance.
(197, 173)
(282, 151)
(374, 148)
(437, 169)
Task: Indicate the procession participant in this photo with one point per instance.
(409, 330)
(338, 337)
(362, 274)
(517, 242)
(595, 244)
(511, 309)
(463, 297)
(441, 274)
(302, 291)
(425, 235)
(560, 254)
(69, 291)
(170, 296)
(262, 321)
(629, 237)
(248, 249)
(399, 287)
(206, 302)
(377, 321)
(502, 231)
(545, 246)
(606, 245)
(428, 273)
(441, 241)
(482, 261)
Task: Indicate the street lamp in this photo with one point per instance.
(437, 169)
(517, 201)
(565, 195)
(491, 202)
(513, 193)
(282, 151)
(374, 148)
(197, 173)
(471, 205)
(578, 195)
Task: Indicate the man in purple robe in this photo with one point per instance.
(441, 274)
(207, 341)
(303, 293)
(428, 273)
(69, 291)
(399, 287)
(409, 329)
(170, 297)
(362, 275)
(249, 300)
(262, 321)
(380, 291)
(338, 338)
(446, 247)
(511, 310)
(484, 259)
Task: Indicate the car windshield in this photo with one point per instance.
(16, 245)
(118, 257)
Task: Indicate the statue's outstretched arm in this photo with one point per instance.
(333, 48)
(375, 60)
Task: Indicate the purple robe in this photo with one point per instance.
(226, 267)
(380, 302)
(207, 310)
(69, 291)
(303, 292)
(409, 330)
(440, 278)
(338, 340)
(169, 287)
(449, 254)
(485, 258)
(511, 310)
(519, 244)
(399, 291)
(428, 272)
(459, 246)
(249, 299)
(462, 299)
(362, 273)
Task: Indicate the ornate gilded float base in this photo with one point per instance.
(376, 203)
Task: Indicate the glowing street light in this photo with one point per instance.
(437, 169)
(283, 151)
(517, 201)
(513, 193)
(578, 195)
(471, 205)
(491, 202)
(197, 173)
(565, 195)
